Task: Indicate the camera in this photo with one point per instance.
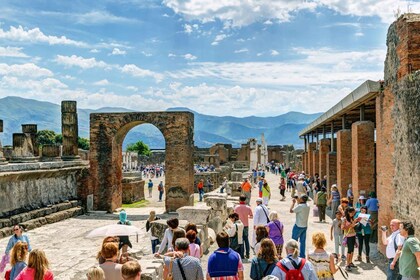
(384, 228)
(296, 197)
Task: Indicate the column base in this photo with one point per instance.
(23, 159)
(70, 158)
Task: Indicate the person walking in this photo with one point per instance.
(363, 233)
(153, 239)
(246, 190)
(301, 225)
(260, 217)
(245, 212)
(350, 235)
(234, 228)
(275, 230)
(224, 263)
(393, 243)
(160, 189)
(131, 270)
(200, 188)
(265, 261)
(294, 262)
(282, 188)
(266, 193)
(185, 266)
(334, 198)
(322, 261)
(150, 187)
(321, 203)
(18, 258)
(336, 234)
(410, 253)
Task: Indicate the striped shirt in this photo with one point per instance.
(191, 266)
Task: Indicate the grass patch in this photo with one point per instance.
(137, 204)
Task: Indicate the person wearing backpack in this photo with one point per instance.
(293, 267)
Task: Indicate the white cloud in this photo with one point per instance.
(268, 22)
(33, 85)
(100, 17)
(11, 52)
(241, 50)
(359, 34)
(188, 28)
(274, 53)
(84, 63)
(132, 88)
(260, 54)
(94, 51)
(24, 70)
(117, 51)
(35, 35)
(171, 55)
(136, 71)
(189, 56)
(146, 53)
(103, 82)
(218, 39)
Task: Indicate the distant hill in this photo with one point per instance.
(208, 130)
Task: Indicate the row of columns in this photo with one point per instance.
(25, 144)
(348, 159)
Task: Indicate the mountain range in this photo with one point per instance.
(208, 130)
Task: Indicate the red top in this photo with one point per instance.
(29, 274)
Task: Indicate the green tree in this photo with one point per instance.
(139, 147)
(46, 137)
(83, 143)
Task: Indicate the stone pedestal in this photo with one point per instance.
(195, 214)
(50, 152)
(69, 130)
(324, 149)
(344, 164)
(22, 148)
(363, 157)
(132, 189)
(31, 130)
(2, 158)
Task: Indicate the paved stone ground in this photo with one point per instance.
(71, 254)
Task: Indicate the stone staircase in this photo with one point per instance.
(39, 217)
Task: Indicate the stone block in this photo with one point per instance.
(230, 208)
(236, 176)
(132, 189)
(216, 203)
(195, 214)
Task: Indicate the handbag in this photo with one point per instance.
(315, 211)
(344, 241)
(233, 241)
(170, 275)
(268, 220)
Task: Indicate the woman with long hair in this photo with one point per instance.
(265, 261)
(18, 258)
(275, 230)
(37, 269)
(107, 239)
(260, 233)
(153, 239)
(322, 261)
(350, 234)
(363, 233)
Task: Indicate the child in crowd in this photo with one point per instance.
(336, 233)
(194, 248)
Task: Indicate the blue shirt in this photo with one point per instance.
(16, 269)
(14, 239)
(372, 204)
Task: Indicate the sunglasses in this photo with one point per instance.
(15, 229)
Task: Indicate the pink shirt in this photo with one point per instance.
(29, 274)
(195, 250)
(244, 212)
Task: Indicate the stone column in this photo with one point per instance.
(304, 161)
(50, 152)
(69, 130)
(324, 149)
(363, 157)
(315, 162)
(22, 148)
(2, 159)
(31, 130)
(311, 151)
(344, 162)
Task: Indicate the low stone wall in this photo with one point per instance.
(28, 186)
(132, 189)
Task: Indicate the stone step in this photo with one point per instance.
(47, 219)
(38, 213)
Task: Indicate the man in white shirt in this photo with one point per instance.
(260, 218)
(301, 225)
(393, 243)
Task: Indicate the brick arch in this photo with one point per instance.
(107, 133)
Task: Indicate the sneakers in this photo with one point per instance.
(343, 257)
(348, 268)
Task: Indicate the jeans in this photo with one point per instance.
(222, 189)
(363, 238)
(200, 194)
(334, 207)
(246, 240)
(160, 195)
(299, 234)
(154, 244)
(393, 274)
(338, 239)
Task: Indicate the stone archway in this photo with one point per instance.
(107, 133)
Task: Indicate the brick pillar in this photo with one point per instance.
(315, 162)
(31, 130)
(311, 150)
(324, 149)
(2, 159)
(344, 160)
(331, 169)
(69, 130)
(363, 157)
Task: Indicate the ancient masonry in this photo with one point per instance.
(377, 128)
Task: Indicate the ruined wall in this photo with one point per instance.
(29, 186)
(398, 124)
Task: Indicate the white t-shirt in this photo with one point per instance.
(302, 214)
(390, 248)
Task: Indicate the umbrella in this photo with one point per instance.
(114, 230)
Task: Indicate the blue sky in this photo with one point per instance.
(237, 57)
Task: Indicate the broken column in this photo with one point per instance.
(22, 148)
(31, 130)
(2, 159)
(69, 130)
(50, 152)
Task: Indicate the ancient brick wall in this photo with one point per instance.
(324, 149)
(344, 163)
(398, 124)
